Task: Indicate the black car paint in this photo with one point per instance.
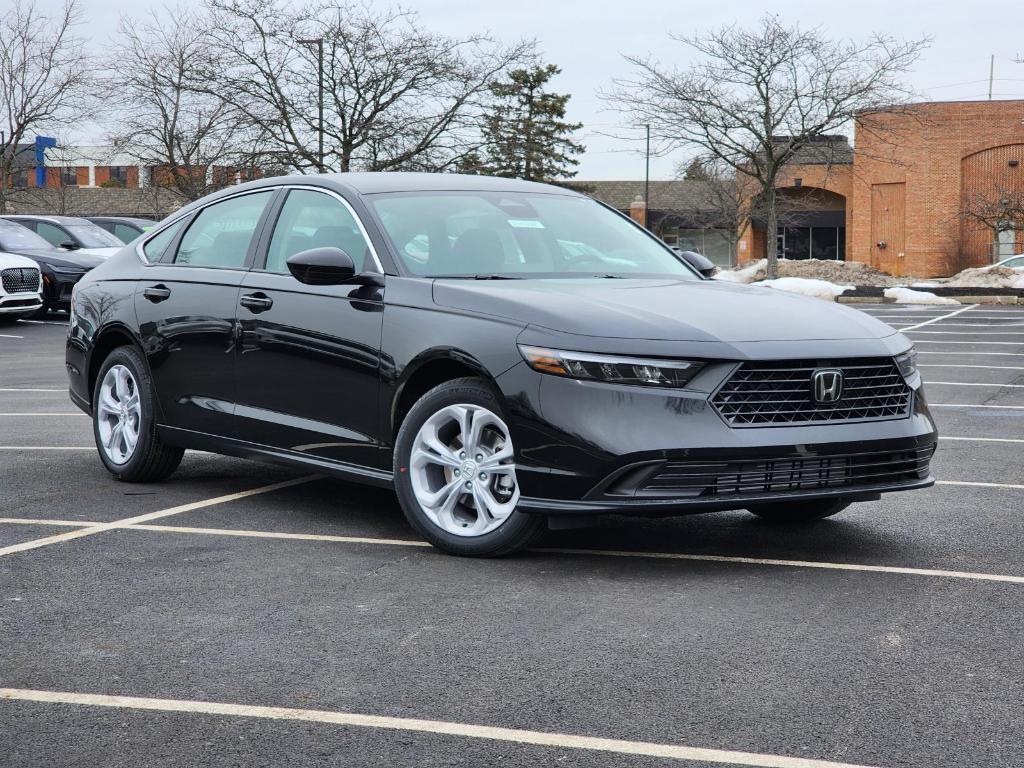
(61, 270)
(322, 377)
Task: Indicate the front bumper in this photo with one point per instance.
(588, 447)
(19, 303)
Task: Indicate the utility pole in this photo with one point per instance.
(991, 74)
(319, 42)
(3, 172)
(647, 176)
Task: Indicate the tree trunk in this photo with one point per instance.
(771, 231)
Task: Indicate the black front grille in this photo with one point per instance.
(19, 280)
(756, 477)
(780, 393)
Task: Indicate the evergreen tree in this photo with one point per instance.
(526, 136)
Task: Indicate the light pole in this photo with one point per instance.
(319, 42)
(3, 173)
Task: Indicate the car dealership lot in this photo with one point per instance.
(888, 636)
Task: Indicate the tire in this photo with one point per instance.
(799, 511)
(454, 525)
(149, 459)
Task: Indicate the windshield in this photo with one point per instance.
(19, 238)
(91, 236)
(501, 234)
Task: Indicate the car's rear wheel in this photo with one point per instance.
(123, 422)
(799, 511)
(455, 473)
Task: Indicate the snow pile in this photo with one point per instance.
(839, 272)
(756, 270)
(819, 289)
(908, 296)
(989, 277)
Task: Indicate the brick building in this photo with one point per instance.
(931, 189)
(925, 190)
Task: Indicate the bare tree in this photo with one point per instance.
(397, 96)
(995, 211)
(45, 76)
(190, 139)
(756, 98)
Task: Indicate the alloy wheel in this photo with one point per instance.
(118, 414)
(463, 472)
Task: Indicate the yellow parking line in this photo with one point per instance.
(440, 727)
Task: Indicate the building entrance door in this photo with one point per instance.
(888, 206)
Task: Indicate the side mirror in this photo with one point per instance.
(322, 266)
(70, 245)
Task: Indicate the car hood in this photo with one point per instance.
(66, 259)
(10, 260)
(103, 253)
(660, 309)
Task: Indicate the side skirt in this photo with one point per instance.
(202, 441)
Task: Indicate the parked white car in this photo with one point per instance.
(1014, 262)
(20, 286)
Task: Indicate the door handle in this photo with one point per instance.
(157, 293)
(256, 302)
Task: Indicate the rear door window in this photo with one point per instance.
(220, 235)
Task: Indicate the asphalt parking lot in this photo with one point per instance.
(246, 615)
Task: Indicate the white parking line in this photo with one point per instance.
(944, 341)
(639, 554)
(971, 333)
(34, 521)
(130, 521)
(1008, 486)
(953, 353)
(9, 336)
(973, 384)
(442, 727)
(984, 439)
(940, 317)
(971, 405)
(964, 365)
(27, 389)
(32, 415)
(47, 448)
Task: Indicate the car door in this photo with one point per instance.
(186, 304)
(308, 360)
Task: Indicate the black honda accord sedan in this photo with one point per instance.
(501, 353)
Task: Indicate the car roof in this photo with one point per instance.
(123, 219)
(370, 183)
(52, 219)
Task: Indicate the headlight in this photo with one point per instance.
(907, 363)
(611, 368)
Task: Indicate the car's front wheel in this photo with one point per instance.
(123, 421)
(455, 473)
(799, 511)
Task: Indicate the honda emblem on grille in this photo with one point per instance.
(827, 386)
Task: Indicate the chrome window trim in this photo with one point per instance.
(313, 188)
(349, 208)
(193, 211)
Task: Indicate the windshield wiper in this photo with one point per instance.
(474, 277)
(494, 277)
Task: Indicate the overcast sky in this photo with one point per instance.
(587, 38)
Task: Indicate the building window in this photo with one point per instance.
(119, 175)
(714, 244)
(19, 178)
(69, 176)
(827, 243)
